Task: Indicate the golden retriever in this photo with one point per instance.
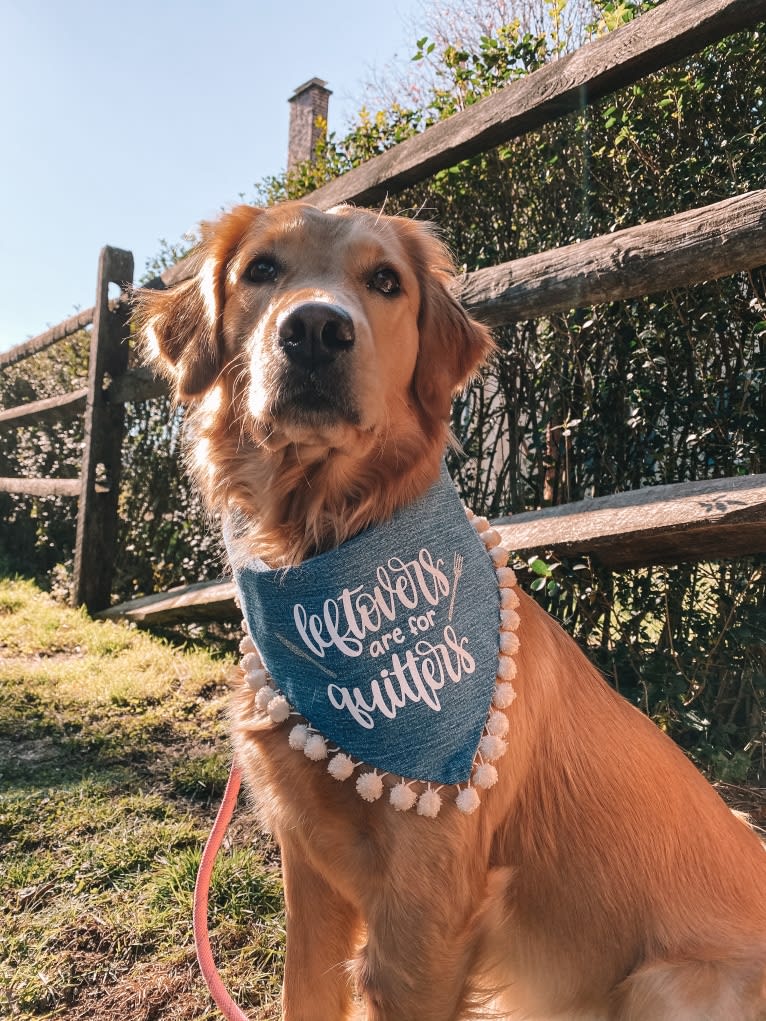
(603, 878)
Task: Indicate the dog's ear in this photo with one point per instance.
(180, 336)
(181, 326)
(452, 344)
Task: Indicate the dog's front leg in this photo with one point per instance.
(417, 963)
(322, 932)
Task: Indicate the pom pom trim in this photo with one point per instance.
(370, 786)
(467, 801)
(429, 803)
(403, 796)
(341, 766)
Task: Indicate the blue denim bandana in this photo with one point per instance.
(388, 645)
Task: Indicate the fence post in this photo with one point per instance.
(104, 428)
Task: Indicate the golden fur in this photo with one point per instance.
(602, 878)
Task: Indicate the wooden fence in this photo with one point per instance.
(726, 517)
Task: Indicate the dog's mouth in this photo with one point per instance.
(312, 398)
(310, 381)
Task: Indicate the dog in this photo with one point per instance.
(602, 879)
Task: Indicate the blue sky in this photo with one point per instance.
(126, 123)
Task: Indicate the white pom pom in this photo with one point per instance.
(429, 804)
(499, 556)
(263, 697)
(467, 800)
(509, 599)
(247, 645)
(402, 797)
(509, 620)
(469, 513)
(340, 766)
(485, 776)
(490, 538)
(257, 679)
(506, 577)
(491, 747)
(315, 748)
(298, 737)
(279, 709)
(506, 668)
(504, 696)
(244, 625)
(369, 786)
(251, 661)
(480, 524)
(497, 724)
(509, 643)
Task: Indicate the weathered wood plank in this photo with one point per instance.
(49, 409)
(41, 487)
(687, 522)
(175, 274)
(691, 521)
(102, 447)
(136, 385)
(207, 600)
(42, 341)
(688, 248)
(658, 38)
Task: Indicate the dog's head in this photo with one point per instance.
(331, 334)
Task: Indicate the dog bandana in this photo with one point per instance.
(390, 648)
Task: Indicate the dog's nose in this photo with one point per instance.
(315, 333)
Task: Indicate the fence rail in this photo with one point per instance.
(41, 487)
(675, 29)
(702, 244)
(51, 408)
(709, 520)
(67, 328)
(719, 518)
(679, 251)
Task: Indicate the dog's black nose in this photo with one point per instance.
(315, 334)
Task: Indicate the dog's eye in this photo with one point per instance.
(263, 270)
(385, 281)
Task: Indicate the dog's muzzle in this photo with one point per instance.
(317, 340)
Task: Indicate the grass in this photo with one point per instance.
(113, 751)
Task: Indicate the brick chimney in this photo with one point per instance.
(308, 103)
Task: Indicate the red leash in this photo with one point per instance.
(225, 1004)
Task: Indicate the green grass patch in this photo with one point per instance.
(113, 751)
